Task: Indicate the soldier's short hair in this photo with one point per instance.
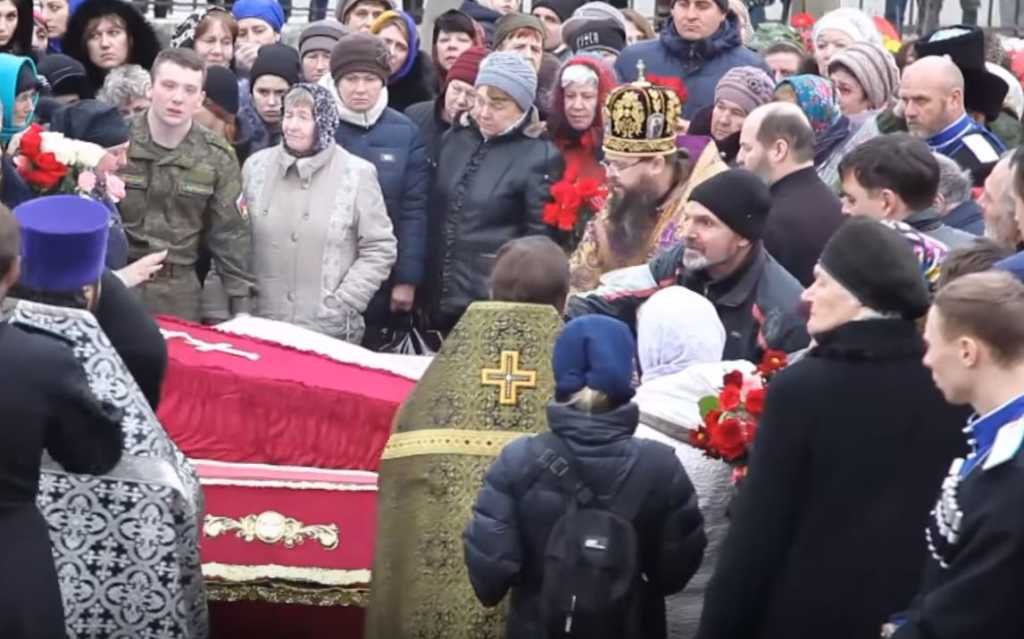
(10, 240)
(986, 306)
(184, 58)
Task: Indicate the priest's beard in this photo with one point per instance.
(632, 218)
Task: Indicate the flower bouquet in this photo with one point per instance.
(730, 417)
(576, 198)
(51, 163)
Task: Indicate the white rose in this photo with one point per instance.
(60, 146)
(88, 154)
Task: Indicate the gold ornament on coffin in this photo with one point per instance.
(641, 119)
(509, 378)
(272, 527)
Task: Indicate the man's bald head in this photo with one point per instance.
(932, 95)
(10, 250)
(776, 139)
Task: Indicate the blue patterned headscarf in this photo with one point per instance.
(817, 98)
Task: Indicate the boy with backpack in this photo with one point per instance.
(588, 526)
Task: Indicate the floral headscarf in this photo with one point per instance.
(184, 36)
(325, 115)
(816, 97)
(929, 252)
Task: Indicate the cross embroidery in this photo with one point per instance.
(208, 347)
(508, 378)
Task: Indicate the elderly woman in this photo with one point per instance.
(412, 76)
(108, 34)
(127, 88)
(576, 125)
(322, 239)
(681, 364)
(816, 97)
(841, 476)
(212, 34)
(494, 176)
(837, 30)
(740, 91)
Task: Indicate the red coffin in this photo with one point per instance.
(271, 404)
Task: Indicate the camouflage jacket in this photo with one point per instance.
(177, 198)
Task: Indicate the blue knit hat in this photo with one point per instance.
(269, 11)
(1014, 264)
(596, 352)
(63, 242)
(510, 72)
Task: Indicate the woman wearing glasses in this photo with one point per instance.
(494, 174)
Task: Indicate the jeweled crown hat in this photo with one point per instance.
(641, 119)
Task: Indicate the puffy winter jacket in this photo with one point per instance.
(700, 64)
(486, 192)
(512, 518)
(761, 300)
(393, 146)
(426, 116)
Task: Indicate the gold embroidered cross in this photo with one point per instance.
(508, 378)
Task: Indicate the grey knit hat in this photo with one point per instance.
(321, 35)
(874, 69)
(747, 87)
(510, 72)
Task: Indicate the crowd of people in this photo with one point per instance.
(707, 193)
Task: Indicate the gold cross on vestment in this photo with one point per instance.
(508, 378)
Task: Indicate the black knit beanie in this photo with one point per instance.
(562, 8)
(277, 59)
(221, 88)
(737, 197)
(877, 266)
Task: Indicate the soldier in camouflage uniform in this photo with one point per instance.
(182, 192)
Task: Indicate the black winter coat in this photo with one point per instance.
(805, 213)
(486, 192)
(426, 116)
(416, 86)
(47, 406)
(505, 540)
(758, 287)
(827, 533)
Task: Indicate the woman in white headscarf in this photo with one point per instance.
(680, 341)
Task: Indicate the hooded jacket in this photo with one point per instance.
(513, 517)
(700, 64)
(415, 81)
(10, 67)
(143, 47)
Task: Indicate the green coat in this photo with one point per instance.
(178, 198)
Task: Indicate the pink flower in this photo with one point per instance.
(86, 181)
(115, 188)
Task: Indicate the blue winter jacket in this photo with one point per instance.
(392, 144)
(700, 64)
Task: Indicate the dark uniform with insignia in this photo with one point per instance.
(178, 198)
(976, 540)
(48, 406)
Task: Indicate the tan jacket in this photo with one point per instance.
(322, 239)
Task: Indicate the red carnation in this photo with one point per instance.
(31, 141)
(670, 82)
(728, 439)
(711, 419)
(772, 362)
(735, 378)
(802, 21)
(755, 401)
(729, 398)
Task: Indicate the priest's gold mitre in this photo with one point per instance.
(489, 384)
(641, 119)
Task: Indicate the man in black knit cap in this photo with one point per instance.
(552, 14)
(722, 258)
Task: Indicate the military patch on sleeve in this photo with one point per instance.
(242, 206)
(981, 148)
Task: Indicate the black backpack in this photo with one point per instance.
(592, 585)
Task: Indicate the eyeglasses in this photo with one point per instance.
(611, 166)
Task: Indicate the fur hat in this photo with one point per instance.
(144, 42)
